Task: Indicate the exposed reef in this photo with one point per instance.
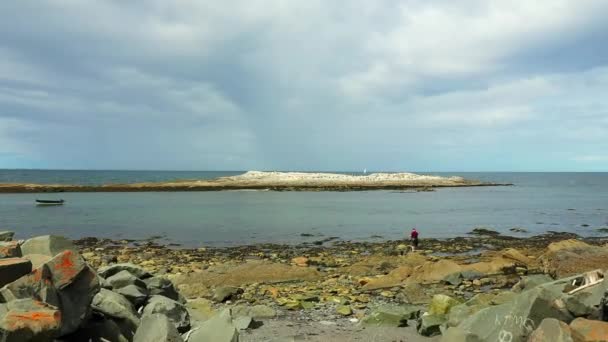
(273, 181)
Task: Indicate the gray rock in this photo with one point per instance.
(36, 285)
(115, 306)
(49, 245)
(175, 311)
(256, 311)
(531, 281)
(392, 315)
(12, 269)
(163, 287)
(471, 275)
(430, 325)
(10, 249)
(157, 328)
(124, 278)
(98, 330)
(6, 235)
(29, 320)
(224, 293)
(135, 270)
(242, 322)
(453, 279)
(516, 319)
(219, 328)
(134, 294)
(76, 284)
(551, 330)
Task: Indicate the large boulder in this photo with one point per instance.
(137, 271)
(163, 287)
(175, 311)
(219, 328)
(76, 283)
(124, 278)
(49, 245)
(584, 330)
(513, 321)
(569, 257)
(29, 320)
(98, 329)
(6, 235)
(551, 330)
(135, 294)
(392, 315)
(117, 307)
(12, 269)
(157, 328)
(10, 249)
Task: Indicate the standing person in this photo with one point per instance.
(414, 239)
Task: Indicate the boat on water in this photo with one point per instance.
(49, 202)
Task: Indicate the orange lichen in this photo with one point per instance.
(66, 268)
(33, 319)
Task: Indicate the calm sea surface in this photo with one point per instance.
(574, 202)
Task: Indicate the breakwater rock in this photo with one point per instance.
(50, 293)
(275, 181)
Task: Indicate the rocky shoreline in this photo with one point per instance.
(269, 181)
(480, 287)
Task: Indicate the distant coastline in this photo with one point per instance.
(274, 181)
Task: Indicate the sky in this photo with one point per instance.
(422, 85)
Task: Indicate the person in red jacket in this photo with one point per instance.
(414, 238)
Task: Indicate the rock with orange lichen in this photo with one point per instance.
(77, 283)
(66, 281)
(29, 320)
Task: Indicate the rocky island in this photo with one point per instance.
(276, 181)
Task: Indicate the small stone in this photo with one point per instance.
(441, 304)
(477, 282)
(344, 310)
(300, 261)
(157, 328)
(224, 293)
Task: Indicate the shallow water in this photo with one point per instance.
(538, 202)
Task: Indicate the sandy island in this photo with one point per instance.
(276, 181)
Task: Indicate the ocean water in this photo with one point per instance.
(538, 202)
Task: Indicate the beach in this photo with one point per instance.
(330, 289)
